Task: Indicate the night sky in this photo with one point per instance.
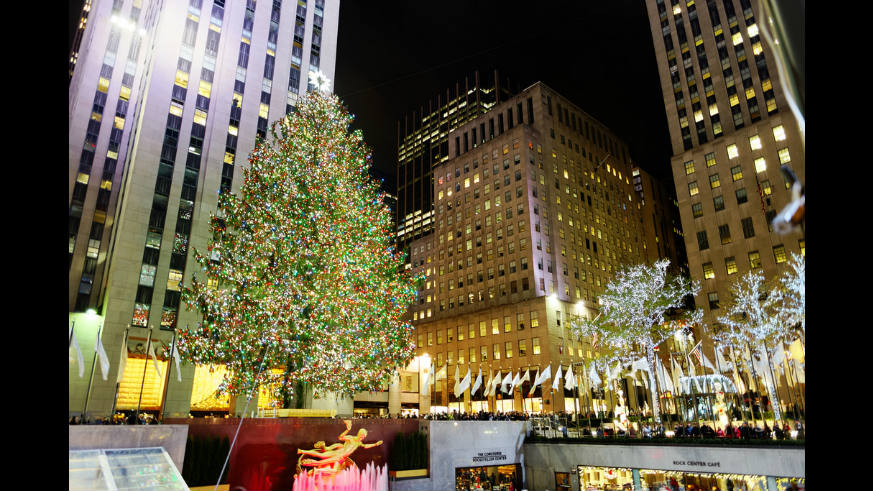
(393, 56)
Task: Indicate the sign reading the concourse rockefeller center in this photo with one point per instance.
(489, 457)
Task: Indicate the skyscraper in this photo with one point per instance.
(422, 142)
(192, 84)
(731, 130)
(531, 220)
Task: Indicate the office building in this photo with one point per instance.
(422, 143)
(534, 211)
(731, 129)
(166, 100)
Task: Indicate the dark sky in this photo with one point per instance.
(393, 56)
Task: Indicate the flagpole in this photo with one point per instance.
(789, 386)
(145, 367)
(91, 377)
(72, 328)
(801, 397)
(117, 382)
(167, 381)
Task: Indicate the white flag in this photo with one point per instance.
(796, 350)
(779, 357)
(546, 374)
(640, 364)
(493, 382)
(490, 384)
(457, 381)
(154, 359)
(536, 381)
(677, 375)
(506, 381)
(569, 379)
(177, 360)
(79, 355)
(122, 363)
(463, 385)
(101, 355)
(425, 382)
(515, 382)
(477, 383)
(668, 379)
(615, 373)
(725, 365)
(557, 378)
(593, 377)
(798, 370)
(525, 377)
(706, 362)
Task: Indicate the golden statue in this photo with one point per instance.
(334, 458)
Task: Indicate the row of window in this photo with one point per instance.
(483, 352)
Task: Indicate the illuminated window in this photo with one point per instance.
(750, 92)
(697, 210)
(125, 92)
(708, 272)
(103, 84)
(730, 264)
(734, 100)
(760, 165)
(689, 167)
(779, 133)
(755, 142)
(495, 327)
(82, 178)
(732, 151)
(692, 188)
(714, 181)
(535, 346)
(496, 351)
(205, 88)
(713, 109)
(784, 156)
(175, 109)
(182, 79)
(174, 280)
(507, 349)
(754, 260)
(264, 110)
(119, 123)
(522, 347)
(534, 322)
(802, 244)
(736, 173)
(737, 38)
(766, 188)
(710, 159)
(200, 117)
(779, 254)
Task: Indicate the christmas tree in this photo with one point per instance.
(300, 273)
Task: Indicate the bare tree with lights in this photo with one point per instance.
(634, 310)
(751, 317)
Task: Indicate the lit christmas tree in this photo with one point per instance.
(300, 273)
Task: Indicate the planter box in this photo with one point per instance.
(407, 473)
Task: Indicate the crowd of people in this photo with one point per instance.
(117, 419)
(560, 422)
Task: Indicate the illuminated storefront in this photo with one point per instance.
(139, 372)
(594, 478)
(494, 478)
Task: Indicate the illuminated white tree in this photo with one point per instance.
(634, 310)
(751, 319)
(790, 296)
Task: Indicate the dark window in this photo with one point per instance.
(748, 228)
(702, 242)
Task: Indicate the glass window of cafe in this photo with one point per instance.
(659, 480)
(593, 478)
(489, 478)
(791, 483)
